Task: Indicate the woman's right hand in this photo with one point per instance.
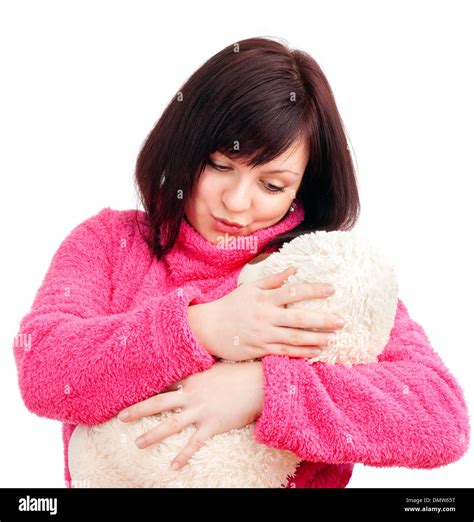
(252, 321)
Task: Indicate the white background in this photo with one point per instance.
(84, 82)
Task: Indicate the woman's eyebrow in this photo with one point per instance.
(277, 171)
(272, 171)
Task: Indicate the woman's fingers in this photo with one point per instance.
(195, 443)
(291, 293)
(294, 351)
(290, 351)
(156, 404)
(176, 386)
(301, 318)
(173, 424)
(295, 337)
(275, 280)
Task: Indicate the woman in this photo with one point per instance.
(136, 307)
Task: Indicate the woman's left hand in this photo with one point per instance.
(226, 396)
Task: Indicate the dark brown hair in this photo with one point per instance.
(264, 96)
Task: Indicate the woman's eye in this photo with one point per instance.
(214, 165)
(272, 189)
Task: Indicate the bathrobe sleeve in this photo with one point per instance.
(404, 410)
(78, 363)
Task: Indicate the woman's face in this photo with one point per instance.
(253, 197)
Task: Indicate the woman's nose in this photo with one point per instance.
(237, 198)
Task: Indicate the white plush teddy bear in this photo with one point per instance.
(366, 296)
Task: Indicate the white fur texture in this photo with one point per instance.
(106, 456)
(366, 290)
(366, 296)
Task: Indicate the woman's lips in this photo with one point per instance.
(222, 227)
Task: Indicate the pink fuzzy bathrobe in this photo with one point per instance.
(109, 328)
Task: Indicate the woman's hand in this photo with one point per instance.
(216, 400)
(252, 321)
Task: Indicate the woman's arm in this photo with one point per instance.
(405, 410)
(77, 362)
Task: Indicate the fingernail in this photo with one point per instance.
(140, 442)
(175, 465)
(124, 415)
(339, 322)
(329, 290)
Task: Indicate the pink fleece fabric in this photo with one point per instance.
(109, 328)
